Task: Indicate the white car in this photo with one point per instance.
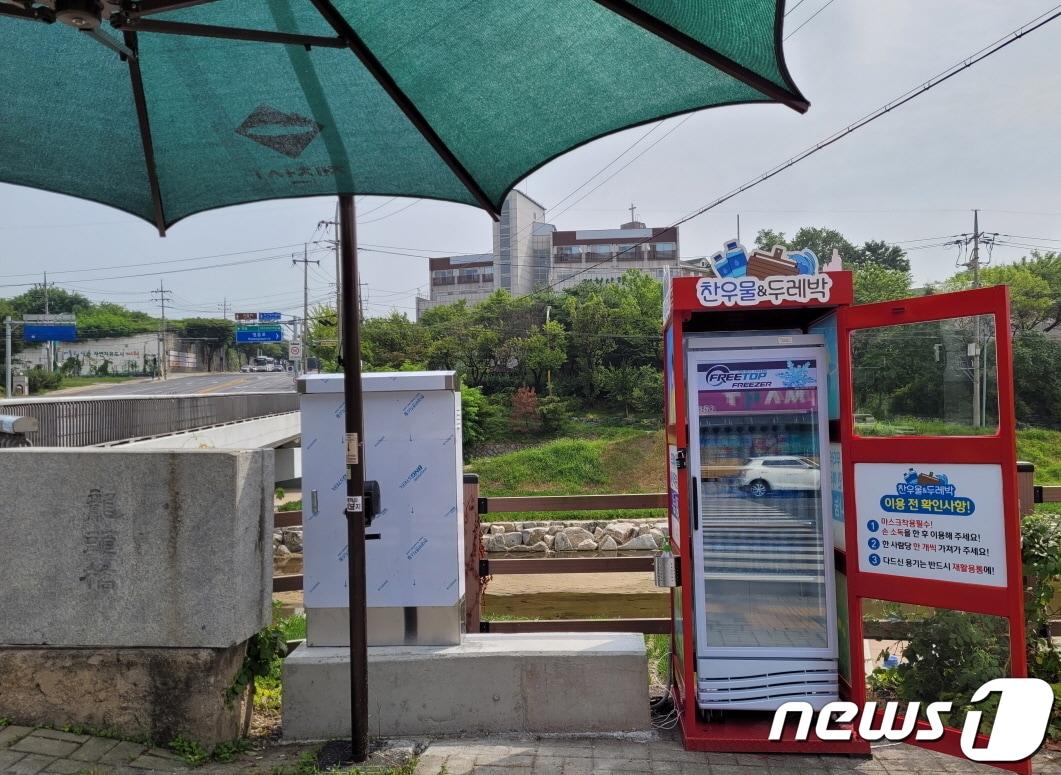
(761, 475)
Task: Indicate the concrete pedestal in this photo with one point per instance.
(158, 693)
(548, 682)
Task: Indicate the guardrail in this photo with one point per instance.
(84, 422)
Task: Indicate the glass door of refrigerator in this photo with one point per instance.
(760, 438)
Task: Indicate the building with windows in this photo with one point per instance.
(513, 233)
(530, 254)
(454, 278)
(606, 254)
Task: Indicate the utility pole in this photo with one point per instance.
(224, 344)
(305, 299)
(975, 349)
(338, 281)
(160, 295)
(974, 262)
(47, 311)
(7, 364)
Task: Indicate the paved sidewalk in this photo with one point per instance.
(28, 751)
(590, 756)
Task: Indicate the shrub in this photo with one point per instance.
(1041, 550)
(555, 414)
(525, 415)
(40, 380)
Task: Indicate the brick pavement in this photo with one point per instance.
(28, 751)
(601, 756)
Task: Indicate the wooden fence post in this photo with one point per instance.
(473, 550)
(1025, 487)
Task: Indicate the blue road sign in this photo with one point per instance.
(66, 332)
(264, 316)
(263, 334)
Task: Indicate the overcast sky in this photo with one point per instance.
(986, 139)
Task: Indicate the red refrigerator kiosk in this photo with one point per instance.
(765, 458)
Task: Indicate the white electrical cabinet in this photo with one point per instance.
(412, 448)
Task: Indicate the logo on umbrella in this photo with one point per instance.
(286, 133)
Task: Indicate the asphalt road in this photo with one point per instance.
(190, 384)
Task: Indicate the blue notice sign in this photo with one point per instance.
(66, 332)
(250, 335)
(265, 316)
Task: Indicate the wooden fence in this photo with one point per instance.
(478, 568)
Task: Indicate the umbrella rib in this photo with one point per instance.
(145, 7)
(145, 131)
(705, 53)
(35, 14)
(136, 24)
(353, 41)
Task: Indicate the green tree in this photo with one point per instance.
(393, 342)
(59, 301)
(823, 240)
(1038, 390)
(106, 319)
(877, 283)
(589, 345)
(1047, 266)
(212, 335)
(543, 351)
(880, 253)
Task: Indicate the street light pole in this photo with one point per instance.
(355, 479)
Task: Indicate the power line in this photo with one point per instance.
(379, 207)
(807, 20)
(978, 56)
(157, 263)
(388, 215)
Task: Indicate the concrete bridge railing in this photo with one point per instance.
(85, 422)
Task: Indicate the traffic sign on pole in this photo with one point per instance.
(294, 351)
(267, 333)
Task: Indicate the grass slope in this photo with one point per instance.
(632, 463)
(1043, 448)
(625, 462)
(630, 460)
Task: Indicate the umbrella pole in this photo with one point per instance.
(355, 479)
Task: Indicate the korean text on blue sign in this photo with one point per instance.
(264, 316)
(246, 335)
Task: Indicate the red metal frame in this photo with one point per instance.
(746, 732)
(998, 449)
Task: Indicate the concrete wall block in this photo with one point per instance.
(158, 693)
(548, 682)
(108, 547)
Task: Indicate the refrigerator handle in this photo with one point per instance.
(696, 504)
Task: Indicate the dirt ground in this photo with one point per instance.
(576, 596)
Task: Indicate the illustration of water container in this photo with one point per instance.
(735, 261)
(806, 260)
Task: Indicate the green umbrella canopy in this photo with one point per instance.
(165, 108)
